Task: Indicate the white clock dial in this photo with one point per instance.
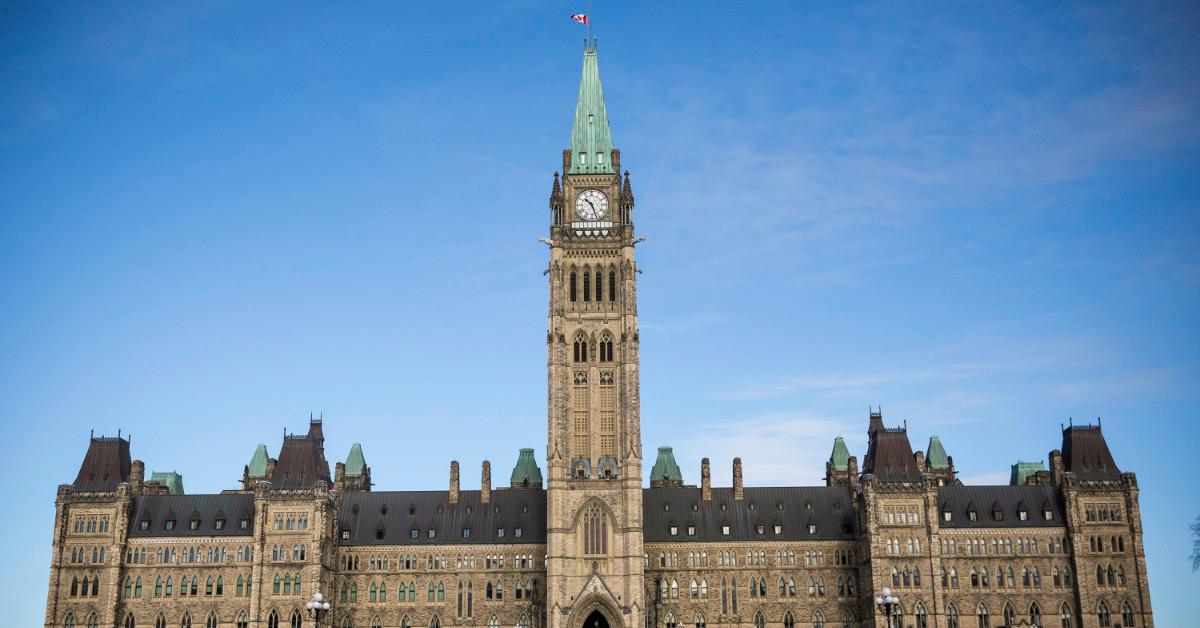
(591, 205)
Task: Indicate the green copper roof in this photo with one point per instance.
(170, 479)
(840, 456)
(935, 454)
(591, 138)
(665, 467)
(526, 469)
(355, 462)
(258, 463)
(1023, 470)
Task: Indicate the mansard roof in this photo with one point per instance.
(258, 462)
(958, 500)
(840, 458)
(157, 509)
(889, 454)
(829, 508)
(1085, 453)
(106, 465)
(355, 461)
(526, 471)
(170, 479)
(388, 517)
(935, 454)
(302, 460)
(665, 469)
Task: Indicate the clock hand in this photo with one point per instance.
(590, 203)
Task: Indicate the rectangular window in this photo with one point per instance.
(414, 533)
(583, 158)
(466, 533)
(169, 524)
(725, 530)
(517, 532)
(144, 524)
(432, 533)
(499, 533)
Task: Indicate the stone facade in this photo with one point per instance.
(590, 545)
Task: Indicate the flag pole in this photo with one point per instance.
(589, 25)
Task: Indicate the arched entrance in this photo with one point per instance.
(595, 620)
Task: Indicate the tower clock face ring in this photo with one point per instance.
(591, 205)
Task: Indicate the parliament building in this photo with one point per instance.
(584, 543)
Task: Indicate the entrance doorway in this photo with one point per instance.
(595, 620)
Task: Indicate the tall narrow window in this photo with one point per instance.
(571, 290)
(595, 530)
(587, 284)
(612, 286)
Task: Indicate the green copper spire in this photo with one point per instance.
(526, 471)
(170, 479)
(355, 462)
(935, 454)
(591, 138)
(840, 456)
(258, 462)
(665, 471)
(1022, 470)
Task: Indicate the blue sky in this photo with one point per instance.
(216, 218)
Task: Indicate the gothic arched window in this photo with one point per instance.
(951, 616)
(1010, 614)
(1102, 615)
(581, 348)
(919, 614)
(1065, 618)
(759, 621)
(599, 287)
(571, 289)
(1035, 614)
(1126, 614)
(587, 284)
(595, 531)
(981, 614)
(612, 286)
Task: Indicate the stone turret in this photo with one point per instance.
(838, 468)
(260, 468)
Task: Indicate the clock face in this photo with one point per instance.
(591, 205)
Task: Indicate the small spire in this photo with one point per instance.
(591, 137)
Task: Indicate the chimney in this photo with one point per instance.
(852, 470)
(453, 482)
(271, 467)
(485, 484)
(738, 494)
(705, 480)
(1056, 467)
(919, 458)
(339, 473)
(137, 474)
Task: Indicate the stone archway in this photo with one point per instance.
(595, 620)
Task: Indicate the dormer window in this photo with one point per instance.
(674, 530)
(517, 532)
(599, 158)
(778, 529)
(583, 156)
(691, 529)
(244, 523)
(169, 524)
(414, 533)
(1047, 514)
(194, 524)
(1022, 515)
(466, 533)
(219, 524)
(432, 533)
(812, 528)
(499, 533)
(760, 529)
(725, 530)
(972, 515)
(345, 535)
(144, 524)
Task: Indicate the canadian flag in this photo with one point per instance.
(582, 18)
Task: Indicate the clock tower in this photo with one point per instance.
(594, 450)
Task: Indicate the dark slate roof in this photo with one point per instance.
(302, 460)
(958, 499)
(1085, 453)
(394, 513)
(183, 508)
(890, 456)
(106, 465)
(831, 508)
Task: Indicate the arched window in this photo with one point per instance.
(375, 622)
(670, 622)
(1035, 614)
(186, 620)
(160, 622)
(129, 621)
(587, 284)
(296, 622)
(674, 588)
(700, 622)
(374, 595)
(1102, 615)
(1066, 620)
(919, 616)
(571, 289)
(168, 593)
(788, 620)
(612, 286)
(347, 622)
(981, 614)
(242, 622)
(208, 586)
(599, 287)
(1126, 614)
(278, 580)
(581, 348)
(435, 622)
(405, 622)
(69, 620)
(1010, 614)
(211, 622)
(441, 596)
(759, 621)
(493, 622)
(952, 616)
(595, 532)
(818, 620)
(847, 620)
(895, 578)
(137, 587)
(695, 588)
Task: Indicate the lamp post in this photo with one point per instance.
(317, 608)
(887, 605)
